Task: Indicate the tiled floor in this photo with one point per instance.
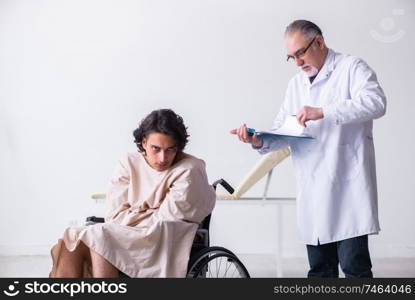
(257, 265)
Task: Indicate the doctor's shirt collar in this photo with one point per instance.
(325, 71)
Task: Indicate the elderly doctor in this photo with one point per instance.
(337, 97)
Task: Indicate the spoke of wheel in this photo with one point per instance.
(208, 270)
(216, 264)
(218, 270)
(211, 275)
(234, 270)
(229, 265)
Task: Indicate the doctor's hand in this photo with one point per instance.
(307, 113)
(243, 136)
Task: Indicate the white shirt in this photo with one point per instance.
(336, 174)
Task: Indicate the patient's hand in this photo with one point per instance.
(243, 136)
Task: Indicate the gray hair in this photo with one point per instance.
(307, 28)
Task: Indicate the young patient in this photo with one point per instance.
(155, 200)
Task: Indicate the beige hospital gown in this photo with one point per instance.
(151, 220)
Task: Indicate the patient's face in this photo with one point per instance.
(161, 150)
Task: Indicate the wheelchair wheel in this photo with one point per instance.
(216, 262)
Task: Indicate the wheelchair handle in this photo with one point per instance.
(223, 183)
(95, 219)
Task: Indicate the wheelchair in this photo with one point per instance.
(206, 261)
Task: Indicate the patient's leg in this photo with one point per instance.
(102, 268)
(71, 263)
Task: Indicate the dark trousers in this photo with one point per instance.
(352, 254)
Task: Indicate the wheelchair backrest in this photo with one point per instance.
(205, 223)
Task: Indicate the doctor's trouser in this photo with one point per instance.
(352, 254)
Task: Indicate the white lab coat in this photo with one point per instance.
(336, 174)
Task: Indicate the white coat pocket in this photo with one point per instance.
(342, 163)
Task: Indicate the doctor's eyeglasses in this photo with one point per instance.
(300, 52)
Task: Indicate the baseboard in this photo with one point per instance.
(383, 251)
(12, 250)
(393, 251)
(376, 251)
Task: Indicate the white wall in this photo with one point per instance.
(77, 76)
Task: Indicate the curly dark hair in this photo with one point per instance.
(164, 121)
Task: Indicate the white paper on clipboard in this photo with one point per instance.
(291, 127)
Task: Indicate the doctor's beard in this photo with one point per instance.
(313, 70)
